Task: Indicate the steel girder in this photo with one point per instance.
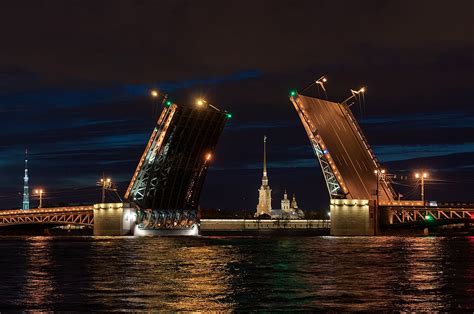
(168, 180)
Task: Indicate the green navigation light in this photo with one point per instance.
(428, 217)
(228, 115)
(168, 103)
(293, 93)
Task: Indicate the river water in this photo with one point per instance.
(237, 273)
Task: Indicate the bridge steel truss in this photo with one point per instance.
(58, 216)
(403, 215)
(168, 180)
(331, 175)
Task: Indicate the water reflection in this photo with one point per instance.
(158, 273)
(237, 274)
(39, 289)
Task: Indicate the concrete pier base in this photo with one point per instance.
(114, 219)
(352, 217)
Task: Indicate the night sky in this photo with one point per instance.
(75, 78)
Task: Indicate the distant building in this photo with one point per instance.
(289, 210)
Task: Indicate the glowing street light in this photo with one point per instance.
(40, 193)
(320, 81)
(208, 156)
(200, 102)
(354, 94)
(422, 175)
(154, 93)
(106, 184)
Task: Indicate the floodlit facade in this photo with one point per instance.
(264, 205)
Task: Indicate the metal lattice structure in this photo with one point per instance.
(49, 216)
(333, 186)
(346, 159)
(168, 180)
(447, 215)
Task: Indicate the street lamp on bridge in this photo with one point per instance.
(320, 81)
(422, 176)
(106, 185)
(355, 93)
(39, 192)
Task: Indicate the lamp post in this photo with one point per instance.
(422, 175)
(40, 193)
(105, 184)
(354, 94)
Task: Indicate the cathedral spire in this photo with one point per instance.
(264, 193)
(264, 178)
(26, 197)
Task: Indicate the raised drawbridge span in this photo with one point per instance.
(361, 199)
(168, 180)
(346, 159)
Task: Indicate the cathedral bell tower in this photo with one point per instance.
(264, 193)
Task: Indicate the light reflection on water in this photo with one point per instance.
(241, 274)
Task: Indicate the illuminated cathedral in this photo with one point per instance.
(289, 209)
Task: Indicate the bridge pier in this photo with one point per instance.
(353, 217)
(114, 219)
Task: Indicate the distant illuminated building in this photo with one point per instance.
(26, 196)
(264, 193)
(289, 210)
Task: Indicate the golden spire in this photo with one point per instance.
(264, 155)
(264, 178)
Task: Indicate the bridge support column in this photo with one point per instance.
(352, 217)
(114, 219)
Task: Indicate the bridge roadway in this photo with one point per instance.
(78, 215)
(346, 146)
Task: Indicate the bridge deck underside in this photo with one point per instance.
(346, 146)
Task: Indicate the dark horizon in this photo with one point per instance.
(77, 94)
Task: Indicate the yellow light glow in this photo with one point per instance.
(417, 175)
(362, 90)
(324, 80)
(200, 102)
(208, 156)
(154, 93)
(108, 180)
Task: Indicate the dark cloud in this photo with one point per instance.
(74, 79)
